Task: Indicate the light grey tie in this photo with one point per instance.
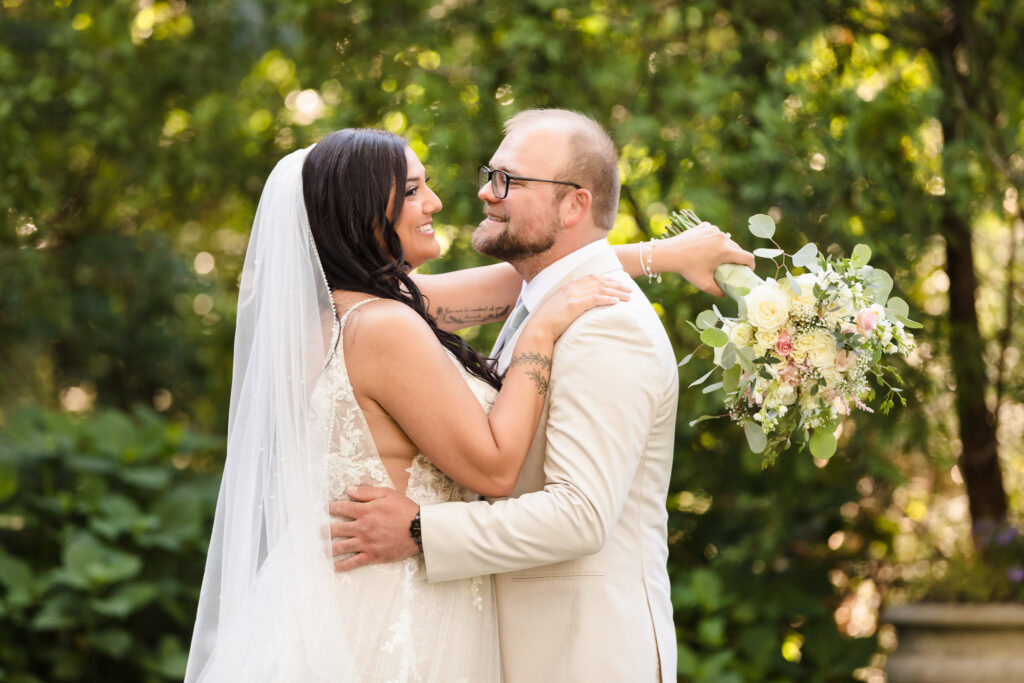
(514, 321)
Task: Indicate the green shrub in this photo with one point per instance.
(104, 522)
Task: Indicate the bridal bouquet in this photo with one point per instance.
(803, 349)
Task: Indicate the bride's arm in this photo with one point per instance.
(474, 296)
(471, 296)
(395, 360)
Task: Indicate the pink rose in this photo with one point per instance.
(867, 320)
(784, 345)
(791, 375)
(844, 359)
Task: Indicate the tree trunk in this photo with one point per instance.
(979, 460)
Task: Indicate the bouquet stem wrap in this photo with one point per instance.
(734, 279)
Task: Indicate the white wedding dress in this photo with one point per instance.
(402, 628)
(271, 608)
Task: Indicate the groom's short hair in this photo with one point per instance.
(593, 161)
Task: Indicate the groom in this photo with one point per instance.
(579, 550)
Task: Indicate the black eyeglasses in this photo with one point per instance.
(499, 181)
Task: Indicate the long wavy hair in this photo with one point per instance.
(348, 179)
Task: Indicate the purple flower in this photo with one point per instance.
(1006, 536)
(1015, 574)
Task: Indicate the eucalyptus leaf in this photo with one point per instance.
(728, 359)
(907, 322)
(880, 285)
(702, 418)
(745, 356)
(762, 225)
(756, 438)
(861, 254)
(823, 443)
(707, 319)
(731, 379)
(702, 379)
(711, 387)
(898, 306)
(806, 255)
(714, 337)
(793, 284)
(765, 252)
(686, 359)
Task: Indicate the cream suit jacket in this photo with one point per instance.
(580, 549)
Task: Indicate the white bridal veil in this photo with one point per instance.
(265, 610)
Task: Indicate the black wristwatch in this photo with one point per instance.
(414, 531)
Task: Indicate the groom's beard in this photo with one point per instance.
(506, 245)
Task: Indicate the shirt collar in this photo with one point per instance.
(536, 289)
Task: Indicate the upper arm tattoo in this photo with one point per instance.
(471, 316)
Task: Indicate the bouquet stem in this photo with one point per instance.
(736, 280)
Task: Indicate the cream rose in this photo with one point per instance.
(767, 306)
(766, 338)
(741, 334)
(784, 395)
(806, 296)
(801, 345)
(821, 351)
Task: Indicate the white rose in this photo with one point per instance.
(801, 345)
(784, 395)
(806, 296)
(831, 376)
(767, 338)
(767, 306)
(808, 401)
(821, 351)
(741, 334)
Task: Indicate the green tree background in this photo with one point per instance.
(135, 137)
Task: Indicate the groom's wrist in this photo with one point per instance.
(414, 531)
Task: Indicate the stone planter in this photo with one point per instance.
(954, 643)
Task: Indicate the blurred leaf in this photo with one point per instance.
(756, 438)
(805, 257)
(762, 225)
(714, 337)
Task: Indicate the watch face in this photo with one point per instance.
(414, 531)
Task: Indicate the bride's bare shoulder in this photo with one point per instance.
(381, 324)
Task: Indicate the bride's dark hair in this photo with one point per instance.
(347, 181)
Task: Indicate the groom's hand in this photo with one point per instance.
(379, 530)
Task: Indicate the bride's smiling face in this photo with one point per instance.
(415, 226)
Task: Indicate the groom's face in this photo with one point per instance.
(526, 222)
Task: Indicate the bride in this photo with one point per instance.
(342, 375)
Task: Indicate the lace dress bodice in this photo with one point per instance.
(353, 454)
(403, 628)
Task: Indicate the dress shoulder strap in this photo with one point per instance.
(341, 321)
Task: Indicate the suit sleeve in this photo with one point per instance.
(605, 385)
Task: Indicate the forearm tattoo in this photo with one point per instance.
(540, 374)
(539, 380)
(471, 316)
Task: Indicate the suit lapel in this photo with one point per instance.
(602, 263)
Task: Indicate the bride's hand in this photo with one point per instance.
(571, 300)
(695, 253)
